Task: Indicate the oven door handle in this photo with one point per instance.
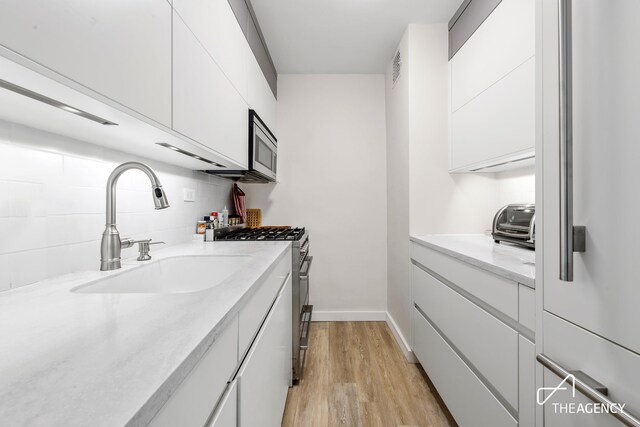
(304, 272)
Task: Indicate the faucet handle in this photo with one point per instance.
(127, 243)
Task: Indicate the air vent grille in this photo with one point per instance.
(397, 66)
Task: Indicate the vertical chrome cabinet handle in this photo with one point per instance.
(586, 385)
(571, 238)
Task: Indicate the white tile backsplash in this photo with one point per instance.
(52, 203)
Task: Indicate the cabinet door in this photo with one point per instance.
(504, 41)
(193, 401)
(215, 25)
(122, 51)
(226, 414)
(206, 106)
(604, 296)
(498, 123)
(261, 98)
(492, 101)
(264, 378)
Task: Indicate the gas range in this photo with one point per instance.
(301, 265)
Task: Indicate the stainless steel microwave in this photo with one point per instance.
(263, 155)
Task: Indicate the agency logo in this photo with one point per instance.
(541, 399)
(569, 382)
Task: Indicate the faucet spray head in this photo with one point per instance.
(159, 198)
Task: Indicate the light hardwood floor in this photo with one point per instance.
(356, 375)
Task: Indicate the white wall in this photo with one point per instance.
(440, 202)
(52, 204)
(417, 165)
(398, 208)
(332, 180)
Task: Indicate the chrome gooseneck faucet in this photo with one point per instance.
(112, 245)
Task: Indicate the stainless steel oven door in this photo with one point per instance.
(265, 151)
(304, 281)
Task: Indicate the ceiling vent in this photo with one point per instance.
(397, 65)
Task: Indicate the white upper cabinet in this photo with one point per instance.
(492, 93)
(216, 27)
(261, 97)
(206, 106)
(122, 51)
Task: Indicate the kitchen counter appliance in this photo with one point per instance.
(516, 224)
(301, 265)
(263, 155)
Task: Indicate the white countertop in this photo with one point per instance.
(70, 359)
(504, 259)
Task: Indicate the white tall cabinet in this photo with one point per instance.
(591, 323)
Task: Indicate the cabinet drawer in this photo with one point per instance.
(226, 414)
(469, 401)
(196, 397)
(255, 310)
(498, 292)
(487, 343)
(576, 349)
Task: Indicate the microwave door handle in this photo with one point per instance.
(572, 238)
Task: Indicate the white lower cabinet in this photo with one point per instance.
(488, 344)
(469, 400)
(227, 390)
(265, 375)
(255, 310)
(468, 334)
(193, 401)
(226, 414)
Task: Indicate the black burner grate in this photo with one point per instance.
(265, 233)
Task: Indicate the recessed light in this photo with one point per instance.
(50, 101)
(186, 153)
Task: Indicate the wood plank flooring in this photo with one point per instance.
(356, 375)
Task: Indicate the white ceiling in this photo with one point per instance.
(341, 36)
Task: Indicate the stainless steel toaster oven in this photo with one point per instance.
(516, 224)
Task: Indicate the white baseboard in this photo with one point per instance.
(402, 342)
(349, 316)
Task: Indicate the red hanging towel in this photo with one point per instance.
(238, 201)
